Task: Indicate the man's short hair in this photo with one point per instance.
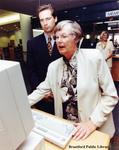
(46, 7)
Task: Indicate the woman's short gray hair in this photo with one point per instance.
(75, 28)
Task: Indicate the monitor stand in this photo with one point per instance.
(33, 142)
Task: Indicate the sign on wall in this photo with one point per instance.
(113, 13)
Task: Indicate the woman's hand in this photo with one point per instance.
(84, 129)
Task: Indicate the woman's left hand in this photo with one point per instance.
(84, 129)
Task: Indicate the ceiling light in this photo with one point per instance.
(84, 8)
(65, 11)
(109, 28)
(87, 36)
(9, 19)
(112, 21)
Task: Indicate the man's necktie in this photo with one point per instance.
(49, 44)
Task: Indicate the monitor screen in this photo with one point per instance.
(16, 120)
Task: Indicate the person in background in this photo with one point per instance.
(81, 84)
(116, 44)
(41, 50)
(106, 47)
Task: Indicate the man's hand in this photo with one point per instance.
(84, 129)
(49, 97)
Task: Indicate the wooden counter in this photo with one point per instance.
(115, 68)
(96, 141)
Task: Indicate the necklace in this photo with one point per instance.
(103, 45)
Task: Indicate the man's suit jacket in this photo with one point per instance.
(96, 92)
(38, 59)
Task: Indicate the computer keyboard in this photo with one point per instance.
(53, 129)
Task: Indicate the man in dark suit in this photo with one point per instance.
(39, 54)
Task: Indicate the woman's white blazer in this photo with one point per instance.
(96, 92)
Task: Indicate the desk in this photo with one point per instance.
(96, 141)
(115, 68)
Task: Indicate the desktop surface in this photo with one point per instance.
(96, 141)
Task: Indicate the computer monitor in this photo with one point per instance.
(16, 119)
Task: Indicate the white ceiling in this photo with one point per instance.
(30, 6)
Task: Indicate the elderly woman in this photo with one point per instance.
(81, 84)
